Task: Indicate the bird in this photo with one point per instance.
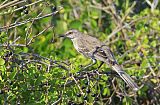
(93, 48)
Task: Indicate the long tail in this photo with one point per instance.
(125, 77)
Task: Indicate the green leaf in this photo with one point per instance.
(127, 101)
(153, 43)
(104, 77)
(106, 91)
(13, 74)
(144, 63)
(95, 14)
(76, 24)
(93, 23)
(61, 27)
(154, 80)
(2, 61)
(25, 49)
(39, 80)
(0, 78)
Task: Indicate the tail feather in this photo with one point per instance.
(125, 77)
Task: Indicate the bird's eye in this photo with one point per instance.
(70, 32)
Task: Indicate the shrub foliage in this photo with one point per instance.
(38, 67)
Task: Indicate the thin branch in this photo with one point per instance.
(4, 28)
(124, 26)
(128, 11)
(56, 102)
(8, 4)
(27, 33)
(13, 45)
(77, 85)
(16, 40)
(30, 41)
(4, 13)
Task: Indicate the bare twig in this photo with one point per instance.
(16, 40)
(77, 85)
(13, 45)
(3, 2)
(128, 11)
(153, 5)
(30, 41)
(56, 102)
(27, 33)
(124, 26)
(4, 13)
(8, 4)
(26, 21)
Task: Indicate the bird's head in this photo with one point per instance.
(72, 34)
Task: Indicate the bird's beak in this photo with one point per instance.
(62, 36)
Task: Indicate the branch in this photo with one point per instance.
(4, 28)
(4, 13)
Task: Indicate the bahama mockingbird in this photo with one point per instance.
(96, 50)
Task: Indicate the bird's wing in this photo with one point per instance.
(92, 44)
(108, 53)
(86, 46)
(94, 48)
(105, 56)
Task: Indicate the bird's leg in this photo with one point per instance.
(93, 63)
(99, 66)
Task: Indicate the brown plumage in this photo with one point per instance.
(93, 48)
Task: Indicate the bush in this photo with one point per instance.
(38, 67)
